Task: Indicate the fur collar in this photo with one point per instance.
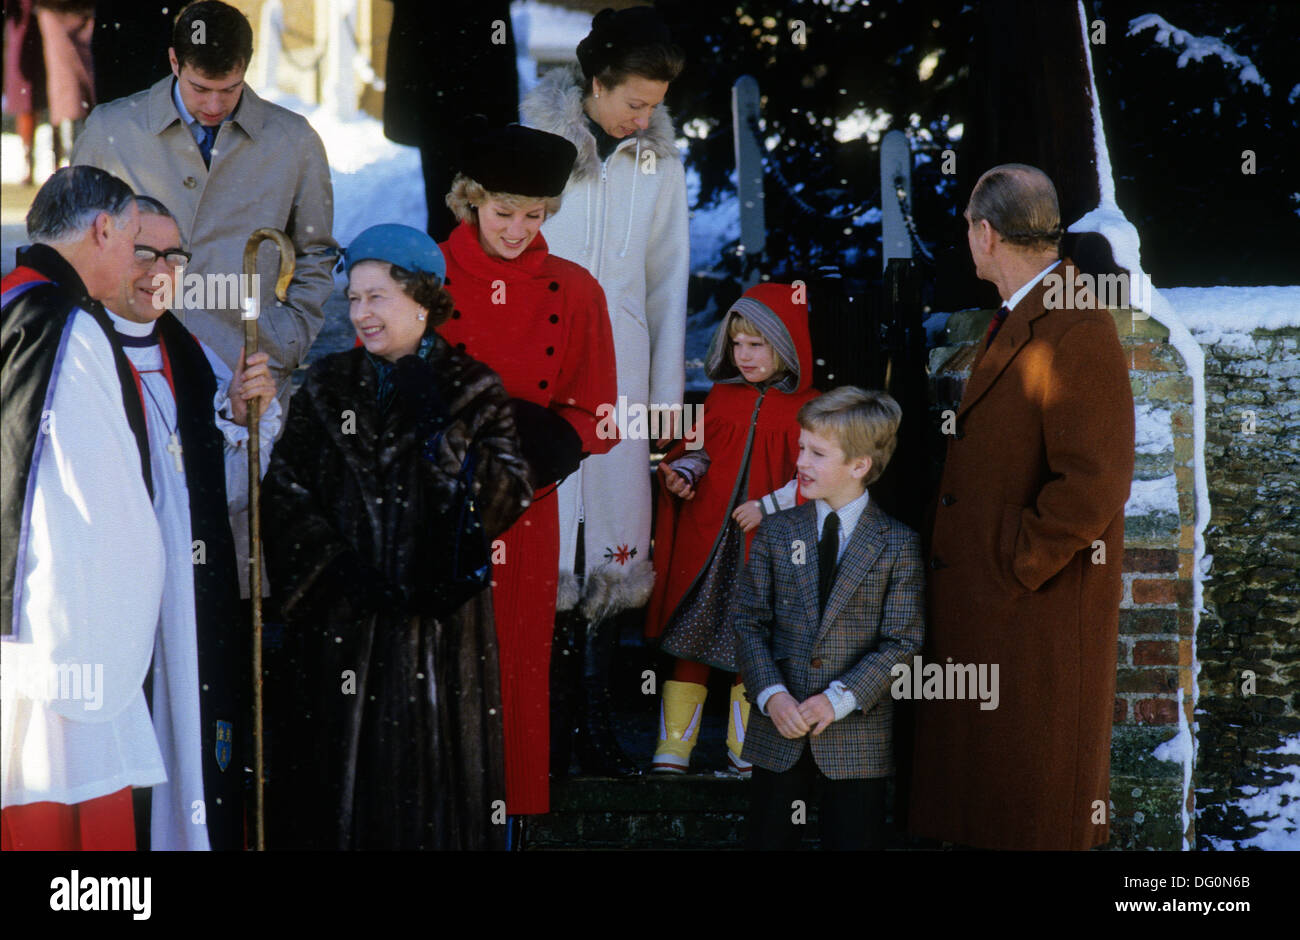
(555, 105)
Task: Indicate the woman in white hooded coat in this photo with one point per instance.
(624, 218)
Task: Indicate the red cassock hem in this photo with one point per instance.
(104, 824)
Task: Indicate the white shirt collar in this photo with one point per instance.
(1028, 286)
(180, 104)
(849, 515)
(189, 119)
(131, 327)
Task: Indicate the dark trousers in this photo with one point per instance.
(852, 811)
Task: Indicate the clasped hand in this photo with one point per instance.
(795, 719)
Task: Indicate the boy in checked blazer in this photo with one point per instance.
(831, 599)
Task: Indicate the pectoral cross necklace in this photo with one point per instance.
(173, 440)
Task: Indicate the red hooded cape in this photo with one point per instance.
(686, 531)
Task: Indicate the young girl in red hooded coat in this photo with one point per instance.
(712, 499)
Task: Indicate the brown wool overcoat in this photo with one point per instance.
(1037, 472)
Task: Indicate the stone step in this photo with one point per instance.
(656, 811)
(686, 812)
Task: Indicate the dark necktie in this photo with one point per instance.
(828, 550)
(205, 145)
(996, 324)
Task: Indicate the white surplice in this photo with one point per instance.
(178, 810)
(91, 583)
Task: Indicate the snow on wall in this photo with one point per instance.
(1109, 220)
(1218, 314)
(1181, 749)
(1153, 496)
(1154, 433)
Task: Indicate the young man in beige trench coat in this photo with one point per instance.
(227, 163)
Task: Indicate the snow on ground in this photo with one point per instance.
(712, 227)
(12, 166)
(375, 180)
(1274, 811)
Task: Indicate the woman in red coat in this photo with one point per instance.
(761, 363)
(540, 323)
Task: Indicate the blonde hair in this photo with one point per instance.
(466, 195)
(863, 423)
(739, 323)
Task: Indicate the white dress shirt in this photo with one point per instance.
(841, 699)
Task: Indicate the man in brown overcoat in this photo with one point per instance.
(1026, 547)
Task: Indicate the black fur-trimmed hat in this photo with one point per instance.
(614, 33)
(515, 159)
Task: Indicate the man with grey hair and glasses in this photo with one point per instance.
(83, 557)
(196, 414)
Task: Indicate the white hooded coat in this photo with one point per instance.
(625, 220)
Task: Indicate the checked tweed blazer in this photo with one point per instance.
(873, 621)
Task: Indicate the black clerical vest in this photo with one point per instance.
(224, 638)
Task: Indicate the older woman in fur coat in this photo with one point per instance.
(399, 462)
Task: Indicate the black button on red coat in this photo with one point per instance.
(555, 318)
(554, 285)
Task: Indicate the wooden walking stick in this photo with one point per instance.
(250, 314)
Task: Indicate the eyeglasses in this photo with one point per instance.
(175, 257)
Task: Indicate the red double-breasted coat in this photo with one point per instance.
(540, 323)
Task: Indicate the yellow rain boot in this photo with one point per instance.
(737, 721)
(680, 710)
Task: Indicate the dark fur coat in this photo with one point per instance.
(388, 732)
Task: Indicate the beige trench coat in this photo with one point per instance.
(268, 169)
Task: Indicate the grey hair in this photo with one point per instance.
(151, 206)
(1020, 202)
(70, 201)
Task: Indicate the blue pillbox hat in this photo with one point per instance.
(401, 245)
